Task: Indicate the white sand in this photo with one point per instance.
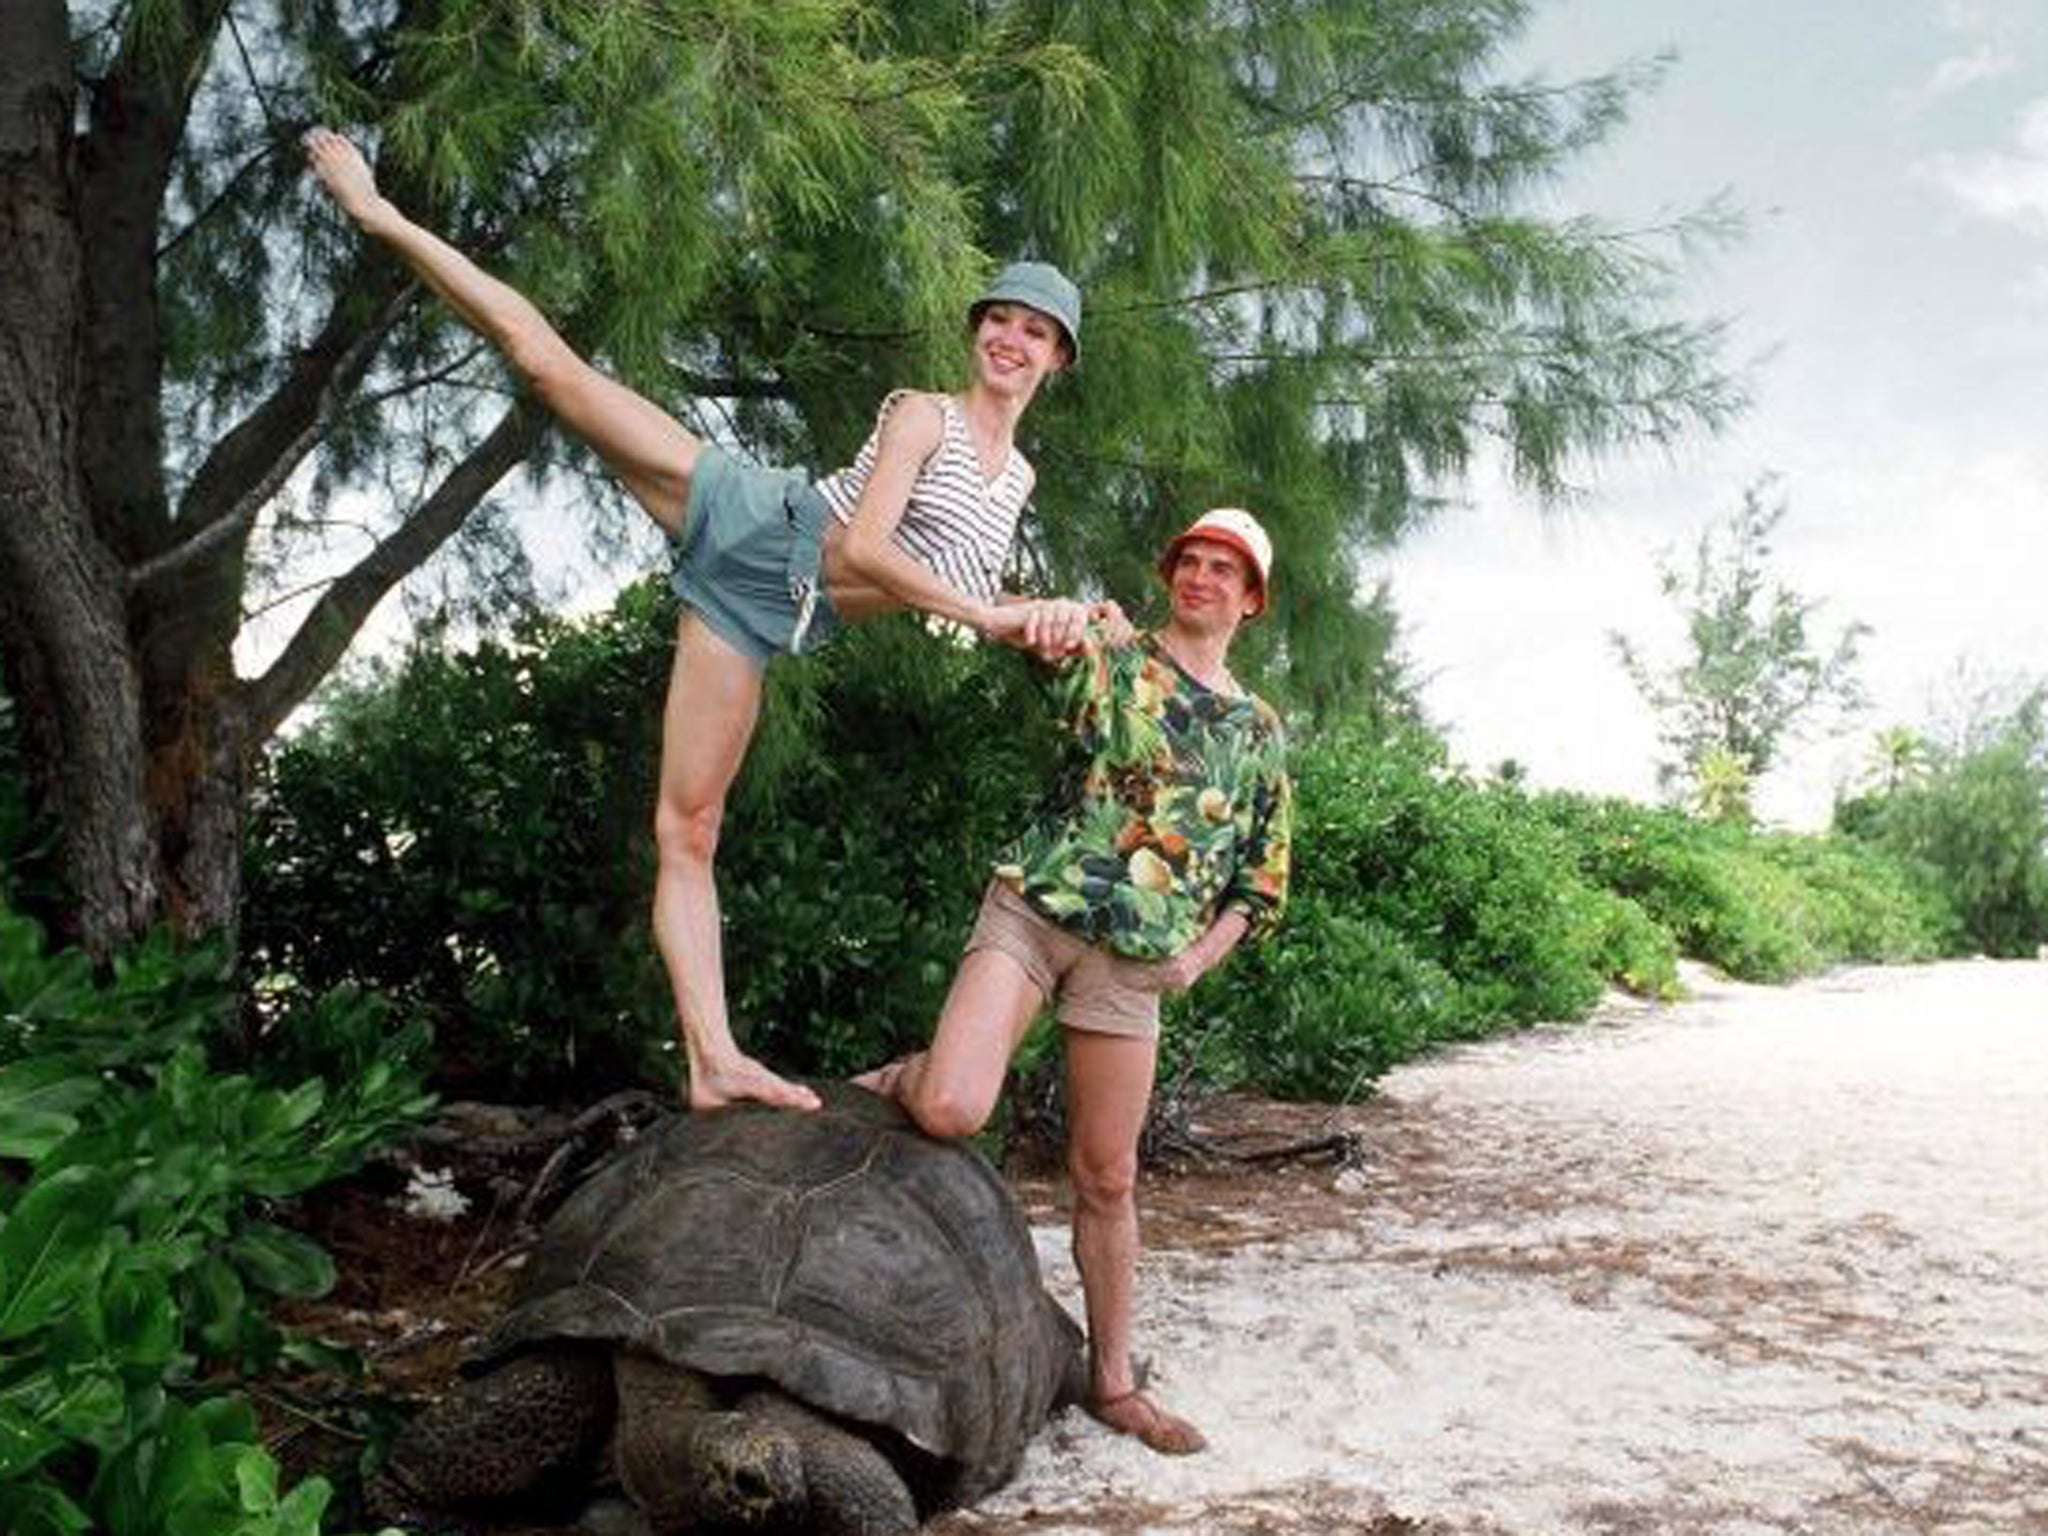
(1772, 1260)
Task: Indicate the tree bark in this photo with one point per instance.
(63, 629)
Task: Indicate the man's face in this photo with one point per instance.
(1212, 586)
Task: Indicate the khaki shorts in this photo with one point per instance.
(1072, 972)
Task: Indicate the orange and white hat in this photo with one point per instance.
(1232, 526)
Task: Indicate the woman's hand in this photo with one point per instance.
(345, 174)
(1049, 627)
(1055, 626)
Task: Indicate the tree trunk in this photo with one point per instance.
(62, 622)
(134, 735)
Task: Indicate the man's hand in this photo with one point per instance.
(1108, 618)
(1162, 976)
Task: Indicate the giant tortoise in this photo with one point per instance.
(758, 1319)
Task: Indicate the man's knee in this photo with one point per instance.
(1103, 1180)
(947, 1110)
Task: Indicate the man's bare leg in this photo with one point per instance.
(951, 1087)
(714, 697)
(1109, 1085)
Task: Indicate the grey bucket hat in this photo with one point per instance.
(1045, 288)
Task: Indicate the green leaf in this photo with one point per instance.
(282, 1262)
(38, 1105)
(140, 1319)
(24, 1441)
(187, 1495)
(91, 1404)
(255, 1480)
(53, 1248)
(40, 1508)
(299, 1513)
(215, 1307)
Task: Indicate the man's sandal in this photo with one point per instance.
(1134, 1413)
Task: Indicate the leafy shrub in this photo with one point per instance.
(1631, 948)
(1425, 908)
(469, 837)
(28, 838)
(136, 1257)
(1760, 906)
(472, 836)
(1322, 1012)
(1469, 878)
(1860, 903)
(1974, 832)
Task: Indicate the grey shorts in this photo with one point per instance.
(1071, 971)
(748, 556)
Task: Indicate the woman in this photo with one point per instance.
(767, 564)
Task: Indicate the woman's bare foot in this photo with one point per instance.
(1134, 1413)
(745, 1079)
(342, 170)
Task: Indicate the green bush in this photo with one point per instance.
(137, 1257)
(1631, 948)
(28, 838)
(469, 837)
(1466, 874)
(1322, 1012)
(1425, 908)
(472, 835)
(1974, 833)
(1760, 906)
(1860, 903)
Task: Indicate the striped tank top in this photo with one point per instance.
(957, 524)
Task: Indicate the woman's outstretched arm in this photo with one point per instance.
(864, 563)
(649, 450)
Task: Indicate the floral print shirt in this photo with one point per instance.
(1173, 805)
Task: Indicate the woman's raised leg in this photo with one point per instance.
(650, 451)
(714, 697)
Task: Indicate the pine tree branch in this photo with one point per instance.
(224, 196)
(249, 464)
(137, 120)
(332, 625)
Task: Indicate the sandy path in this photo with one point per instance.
(1773, 1260)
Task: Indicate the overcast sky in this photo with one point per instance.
(1892, 156)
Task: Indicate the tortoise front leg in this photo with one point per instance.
(538, 1421)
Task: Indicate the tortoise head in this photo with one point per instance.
(752, 1472)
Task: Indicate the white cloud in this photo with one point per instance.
(1954, 75)
(2011, 188)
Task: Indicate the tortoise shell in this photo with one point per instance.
(860, 1265)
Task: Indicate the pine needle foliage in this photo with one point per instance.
(1320, 274)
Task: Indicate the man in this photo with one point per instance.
(1163, 844)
